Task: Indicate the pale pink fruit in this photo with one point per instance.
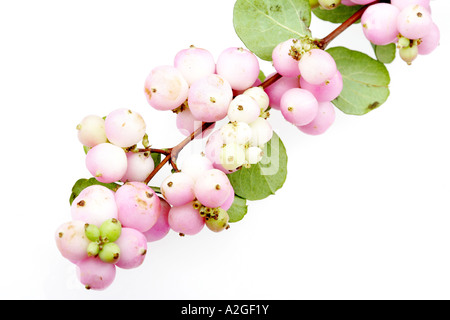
(212, 188)
(194, 63)
(91, 131)
(431, 41)
(139, 166)
(106, 162)
(414, 22)
(186, 219)
(239, 67)
(379, 23)
(94, 205)
(178, 188)
(95, 274)
(299, 106)
(71, 240)
(165, 88)
(316, 66)
(209, 98)
(124, 127)
(322, 122)
(133, 248)
(326, 91)
(276, 90)
(283, 62)
(138, 206)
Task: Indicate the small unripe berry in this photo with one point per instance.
(110, 253)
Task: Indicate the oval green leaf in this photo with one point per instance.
(263, 24)
(385, 54)
(238, 209)
(366, 81)
(265, 178)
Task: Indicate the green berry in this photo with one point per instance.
(92, 232)
(218, 221)
(110, 230)
(314, 3)
(403, 42)
(409, 54)
(110, 253)
(93, 249)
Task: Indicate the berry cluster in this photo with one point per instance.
(310, 81)
(111, 227)
(111, 143)
(203, 90)
(405, 22)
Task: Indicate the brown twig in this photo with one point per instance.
(172, 153)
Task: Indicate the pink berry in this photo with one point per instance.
(278, 88)
(138, 206)
(316, 66)
(91, 131)
(194, 63)
(299, 106)
(326, 91)
(431, 41)
(71, 240)
(94, 205)
(133, 248)
(106, 162)
(212, 188)
(239, 67)
(161, 228)
(209, 98)
(186, 219)
(379, 23)
(178, 188)
(283, 63)
(414, 22)
(324, 119)
(95, 274)
(139, 166)
(124, 127)
(166, 88)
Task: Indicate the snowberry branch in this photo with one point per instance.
(171, 154)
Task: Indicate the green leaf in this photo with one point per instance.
(82, 184)
(156, 158)
(366, 81)
(338, 15)
(263, 24)
(385, 54)
(238, 209)
(265, 178)
(261, 76)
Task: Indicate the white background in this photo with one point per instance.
(364, 213)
